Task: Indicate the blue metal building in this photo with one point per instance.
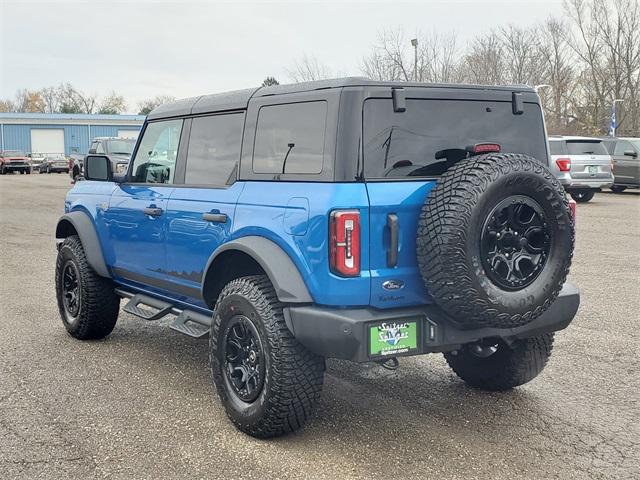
(62, 132)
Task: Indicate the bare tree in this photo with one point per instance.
(393, 58)
(308, 69)
(485, 61)
(269, 81)
(145, 106)
(112, 104)
(7, 106)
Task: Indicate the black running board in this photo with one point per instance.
(190, 323)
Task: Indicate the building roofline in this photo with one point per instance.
(69, 116)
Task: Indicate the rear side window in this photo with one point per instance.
(214, 149)
(557, 147)
(290, 138)
(431, 134)
(585, 147)
(622, 146)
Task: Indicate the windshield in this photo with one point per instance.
(122, 147)
(586, 147)
(13, 153)
(432, 134)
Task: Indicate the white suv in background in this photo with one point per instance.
(582, 164)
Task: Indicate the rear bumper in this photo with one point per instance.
(590, 184)
(343, 333)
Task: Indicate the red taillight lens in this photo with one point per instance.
(564, 164)
(344, 242)
(572, 207)
(479, 148)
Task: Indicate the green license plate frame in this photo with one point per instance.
(394, 338)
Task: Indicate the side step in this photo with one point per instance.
(160, 308)
(190, 323)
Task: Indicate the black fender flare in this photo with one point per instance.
(81, 223)
(284, 275)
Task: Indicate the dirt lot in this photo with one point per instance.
(140, 404)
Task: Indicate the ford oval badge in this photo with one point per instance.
(393, 285)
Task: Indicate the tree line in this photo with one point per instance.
(65, 98)
(580, 62)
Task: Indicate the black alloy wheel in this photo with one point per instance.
(515, 242)
(244, 358)
(71, 297)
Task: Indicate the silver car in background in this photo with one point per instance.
(581, 164)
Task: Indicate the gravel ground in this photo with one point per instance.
(140, 404)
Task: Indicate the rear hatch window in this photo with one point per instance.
(586, 147)
(404, 144)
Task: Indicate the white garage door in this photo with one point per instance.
(128, 133)
(45, 140)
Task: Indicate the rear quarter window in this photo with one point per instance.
(557, 147)
(290, 138)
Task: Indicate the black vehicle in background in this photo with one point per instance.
(54, 163)
(625, 154)
(117, 149)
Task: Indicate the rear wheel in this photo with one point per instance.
(582, 196)
(268, 383)
(618, 188)
(87, 302)
(498, 366)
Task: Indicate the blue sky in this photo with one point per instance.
(144, 48)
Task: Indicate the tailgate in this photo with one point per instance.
(587, 167)
(395, 282)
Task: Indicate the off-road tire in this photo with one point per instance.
(449, 231)
(293, 375)
(582, 196)
(99, 304)
(508, 367)
(618, 188)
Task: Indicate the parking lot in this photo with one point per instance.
(140, 404)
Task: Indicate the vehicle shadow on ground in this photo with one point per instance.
(358, 400)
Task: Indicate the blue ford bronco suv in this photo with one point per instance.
(350, 219)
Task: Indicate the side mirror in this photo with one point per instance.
(630, 153)
(98, 168)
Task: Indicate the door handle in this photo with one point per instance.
(215, 217)
(392, 253)
(153, 211)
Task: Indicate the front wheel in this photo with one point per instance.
(499, 366)
(267, 381)
(87, 302)
(582, 196)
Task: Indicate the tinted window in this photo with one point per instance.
(556, 147)
(155, 158)
(585, 147)
(621, 147)
(214, 149)
(406, 144)
(293, 132)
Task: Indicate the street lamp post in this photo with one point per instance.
(414, 43)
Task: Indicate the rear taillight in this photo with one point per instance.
(344, 242)
(564, 164)
(572, 207)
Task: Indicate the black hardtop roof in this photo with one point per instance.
(239, 99)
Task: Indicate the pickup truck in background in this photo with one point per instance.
(117, 149)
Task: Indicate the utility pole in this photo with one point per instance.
(414, 42)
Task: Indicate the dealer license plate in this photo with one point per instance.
(593, 169)
(392, 338)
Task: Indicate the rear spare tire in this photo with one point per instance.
(495, 240)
